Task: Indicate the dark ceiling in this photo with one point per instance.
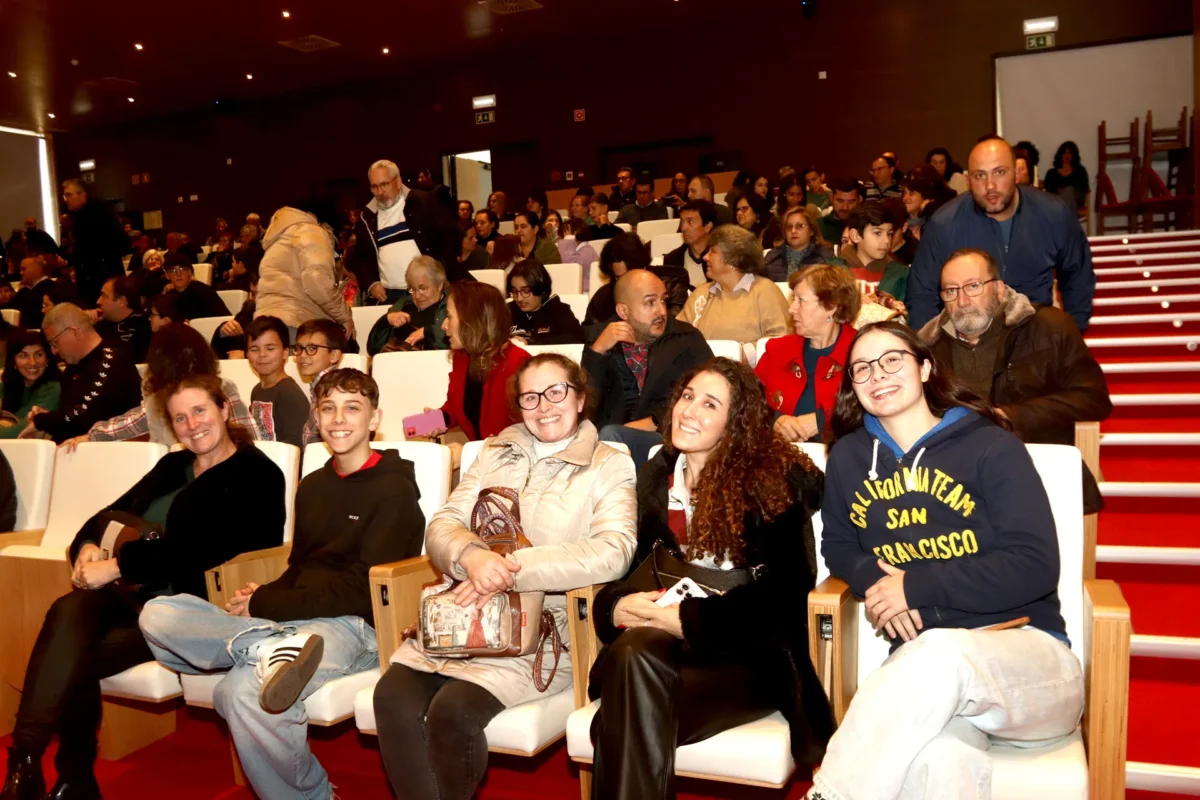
(77, 59)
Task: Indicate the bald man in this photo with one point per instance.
(1035, 238)
(634, 360)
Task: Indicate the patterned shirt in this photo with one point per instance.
(637, 358)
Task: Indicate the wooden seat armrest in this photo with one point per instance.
(585, 644)
(255, 566)
(10, 538)
(1107, 631)
(833, 641)
(395, 595)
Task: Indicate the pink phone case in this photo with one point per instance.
(424, 424)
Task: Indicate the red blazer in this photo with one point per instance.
(781, 371)
(494, 415)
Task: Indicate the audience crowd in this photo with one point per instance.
(917, 336)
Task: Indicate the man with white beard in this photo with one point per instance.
(1028, 360)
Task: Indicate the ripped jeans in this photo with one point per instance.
(193, 636)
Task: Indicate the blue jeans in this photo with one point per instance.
(638, 441)
(193, 636)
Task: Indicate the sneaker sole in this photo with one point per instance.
(282, 689)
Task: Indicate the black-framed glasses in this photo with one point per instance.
(890, 361)
(555, 394)
(526, 292)
(310, 349)
(972, 289)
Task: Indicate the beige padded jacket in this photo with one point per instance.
(578, 509)
(296, 277)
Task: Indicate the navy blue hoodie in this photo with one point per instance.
(963, 513)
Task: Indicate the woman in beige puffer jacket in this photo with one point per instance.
(297, 280)
(578, 508)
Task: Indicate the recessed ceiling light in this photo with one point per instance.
(249, 77)
(51, 116)
(130, 99)
(137, 46)
(287, 14)
(12, 74)
(386, 51)
(74, 62)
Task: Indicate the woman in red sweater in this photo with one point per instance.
(801, 371)
(478, 324)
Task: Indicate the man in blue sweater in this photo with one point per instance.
(1035, 237)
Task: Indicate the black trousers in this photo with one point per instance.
(656, 695)
(87, 635)
(431, 733)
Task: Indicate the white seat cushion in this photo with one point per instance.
(526, 728)
(1058, 770)
(335, 700)
(759, 751)
(198, 689)
(148, 681)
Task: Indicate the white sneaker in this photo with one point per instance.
(286, 669)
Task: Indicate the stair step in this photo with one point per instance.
(1162, 778)
(1150, 646)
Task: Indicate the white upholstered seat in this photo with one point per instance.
(408, 383)
(565, 278)
(365, 318)
(492, 277)
(207, 326)
(32, 463)
(233, 299)
(578, 304)
(657, 227)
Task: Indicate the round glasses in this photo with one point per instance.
(889, 361)
(555, 394)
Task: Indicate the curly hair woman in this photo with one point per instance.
(728, 503)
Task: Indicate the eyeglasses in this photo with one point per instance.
(310, 349)
(177, 270)
(555, 394)
(54, 340)
(377, 186)
(972, 289)
(889, 361)
(521, 293)
(796, 227)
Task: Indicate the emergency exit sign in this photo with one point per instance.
(1039, 41)
(484, 117)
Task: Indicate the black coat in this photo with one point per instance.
(766, 620)
(102, 385)
(603, 305)
(615, 388)
(100, 244)
(235, 507)
(200, 300)
(432, 219)
(132, 333)
(552, 323)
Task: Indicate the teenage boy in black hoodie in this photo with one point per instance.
(280, 642)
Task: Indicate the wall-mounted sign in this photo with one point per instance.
(580, 114)
(484, 117)
(1041, 41)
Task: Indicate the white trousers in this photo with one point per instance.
(921, 724)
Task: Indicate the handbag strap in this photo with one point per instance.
(549, 629)
(496, 523)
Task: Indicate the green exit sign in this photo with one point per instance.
(1039, 41)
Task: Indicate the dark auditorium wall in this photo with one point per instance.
(903, 75)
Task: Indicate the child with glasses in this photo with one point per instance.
(935, 514)
(318, 349)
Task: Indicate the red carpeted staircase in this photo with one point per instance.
(1146, 333)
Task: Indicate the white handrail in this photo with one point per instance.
(1140, 367)
(1147, 270)
(1183, 258)
(1148, 284)
(1134, 247)
(1166, 399)
(1126, 238)
(1164, 646)
(1145, 300)
(1163, 439)
(1133, 319)
(1141, 341)
(1130, 554)
(1149, 489)
(1166, 778)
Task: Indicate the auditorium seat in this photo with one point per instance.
(656, 227)
(577, 302)
(1097, 623)
(32, 463)
(365, 318)
(11, 316)
(494, 277)
(571, 351)
(565, 278)
(664, 243)
(625, 226)
(203, 273)
(598, 245)
(233, 299)
(408, 383)
(726, 348)
(506, 227)
(207, 326)
(596, 278)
